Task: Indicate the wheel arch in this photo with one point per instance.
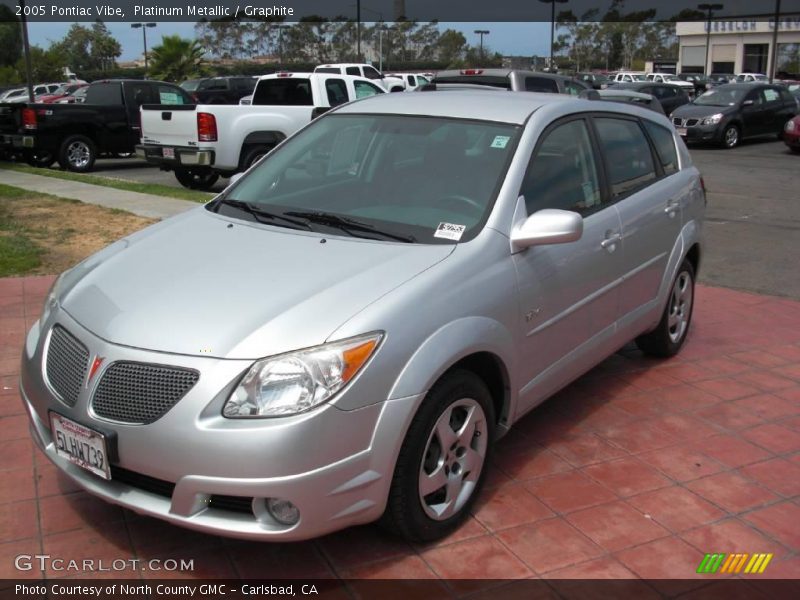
(256, 139)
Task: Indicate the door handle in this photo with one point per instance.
(672, 207)
(610, 242)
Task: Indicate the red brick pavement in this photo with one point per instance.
(635, 470)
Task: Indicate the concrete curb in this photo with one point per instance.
(144, 205)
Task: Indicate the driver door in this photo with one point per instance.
(754, 116)
(569, 298)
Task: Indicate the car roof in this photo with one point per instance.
(497, 73)
(509, 107)
(746, 85)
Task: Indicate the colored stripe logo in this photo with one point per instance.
(734, 563)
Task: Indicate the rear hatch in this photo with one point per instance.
(174, 125)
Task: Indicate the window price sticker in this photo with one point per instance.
(449, 231)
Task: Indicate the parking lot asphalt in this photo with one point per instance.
(637, 470)
(753, 219)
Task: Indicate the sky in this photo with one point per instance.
(510, 39)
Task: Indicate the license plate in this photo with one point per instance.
(80, 445)
(168, 152)
(682, 131)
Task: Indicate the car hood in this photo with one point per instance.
(687, 111)
(202, 284)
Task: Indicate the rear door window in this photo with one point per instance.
(168, 94)
(628, 159)
(572, 88)
(336, 91)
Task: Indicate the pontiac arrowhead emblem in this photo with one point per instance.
(98, 360)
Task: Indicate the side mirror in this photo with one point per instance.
(547, 226)
(748, 103)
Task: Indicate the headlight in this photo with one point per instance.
(51, 300)
(790, 125)
(712, 120)
(298, 381)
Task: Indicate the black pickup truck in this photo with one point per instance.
(76, 134)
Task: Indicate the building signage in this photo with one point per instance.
(784, 24)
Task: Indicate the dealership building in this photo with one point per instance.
(739, 46)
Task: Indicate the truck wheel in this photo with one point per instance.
(40, 159)
(442, 464)
(78, 153)
(195, 179)
(254, 155)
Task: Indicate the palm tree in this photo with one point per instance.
(176, 59)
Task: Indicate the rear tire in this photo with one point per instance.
(196, 179)
(40, 159)
(254, 155)
(442, 463)
(668, 337)
(77, 154)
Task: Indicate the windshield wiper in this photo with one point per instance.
(347, 224)
(261, 215)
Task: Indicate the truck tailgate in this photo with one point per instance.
(169, 125)
(9, 117)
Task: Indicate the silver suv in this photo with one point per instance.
(343, 333)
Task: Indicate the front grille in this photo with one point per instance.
(67, 362)
(159, 487)
(691, 122)
(685, 122)
(140, 393)
(677, 121)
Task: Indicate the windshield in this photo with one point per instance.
(430, 180)
(726, 95)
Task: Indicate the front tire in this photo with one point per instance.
(196, 179)
(77, 154)
(668, 337)
(731, 137)
(442, 464)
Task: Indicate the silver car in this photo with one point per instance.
(342, 334)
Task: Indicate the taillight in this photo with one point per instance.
(206, 127)
(28, 118)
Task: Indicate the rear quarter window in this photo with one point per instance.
(664, 142)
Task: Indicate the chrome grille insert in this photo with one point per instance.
(67, 363)
(140, 393)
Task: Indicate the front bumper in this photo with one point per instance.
(335, 466)
(792, 139)
(701, 133)
(182, 156)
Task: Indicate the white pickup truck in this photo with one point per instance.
(201, 142)
(687, 86)
(391, 83)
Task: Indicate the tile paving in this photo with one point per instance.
(634, 471)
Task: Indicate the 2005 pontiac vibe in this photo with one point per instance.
(342, 334)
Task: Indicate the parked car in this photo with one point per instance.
(700, 82)
(65, 91)
(516, 80)
(39, 90)
(669, 96)
(76, 97)
(791, 134)
(390, 84)
(75, 134)
(629, 76)
(669, 78)
(598, 81)
(729, 113)
(10, 94)
(318, 348)
(721, 78)
(223, 90)
(199, 143)
(412, 81)
(751, 77)
(190, 85)
(625, 96)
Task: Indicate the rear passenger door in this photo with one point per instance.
(648, 197)
(569, 296)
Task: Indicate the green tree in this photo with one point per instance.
(176, 59)
(450, 47)
(86, 48)
(10, 37)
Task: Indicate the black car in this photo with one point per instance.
(670, 96)
(700, 82)
(224, 90)
(731, 112)
(596, 80)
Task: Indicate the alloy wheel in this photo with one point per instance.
(680, 306)
(79, 154)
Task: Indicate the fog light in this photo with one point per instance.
(283, 511)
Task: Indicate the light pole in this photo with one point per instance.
(26, 48)
(774, 58)
(552, 4)
(710, 8)
(144, 27)
(358, 30)
(482, 32)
